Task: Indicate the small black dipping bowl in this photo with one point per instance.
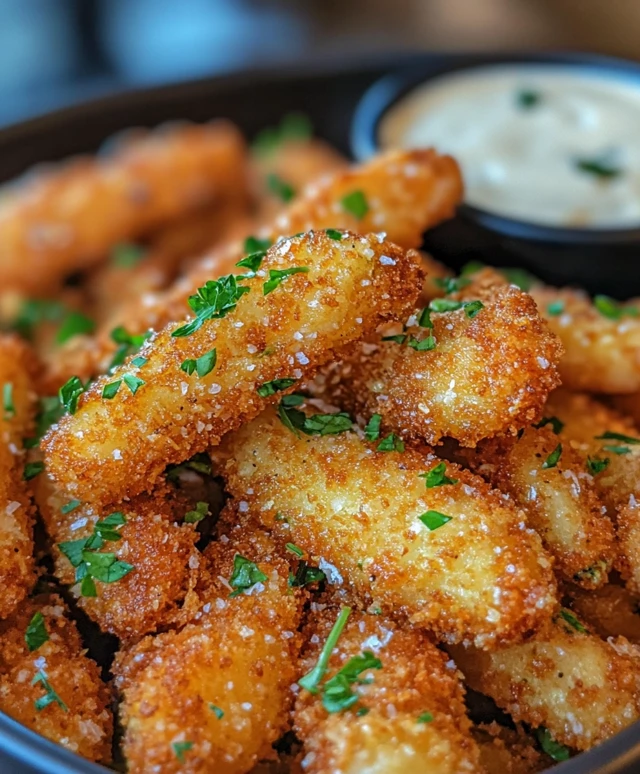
(602, 260)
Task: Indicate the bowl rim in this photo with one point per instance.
(385, 93)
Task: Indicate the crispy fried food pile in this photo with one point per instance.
(316, 503)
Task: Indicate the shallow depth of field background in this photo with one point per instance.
(53, 52)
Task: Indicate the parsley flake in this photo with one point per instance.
(276, 276)
(372, 430)
(356, 204)
(426, 717)
(74, 324)
(472, 308)
(337, 694)
(245, 575)
(424, 321)
(556, 425)
(293, 549)
(70, 506)
(333, 233)
(276, 385)
(610, 436)
(180, 748)
(391, 442)
(280, 187)
(132, 382)
(256, 250)
(617, 449)
(437, 476)
(70, 392)
(50, 695)
(442, 305)
(214, 300)
(7, 400)
(128, 344)
(201, 512)
(312, 679)
(305, 574)
(422, 345)
(596, 465)
(36, 634)
(570, 618)
(109, 391)
(216, 711)
(315, 424)
(32, 469)
(451, 284)
(521, 278)
(555, 308)
(549, 745)
(202, 365)
(553, 458)
(433, 520)
(138, 362)
(294, 126)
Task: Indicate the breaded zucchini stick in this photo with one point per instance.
(389, 701)
(602, 348)
(16, 511)
(49, 684)
(447, 551)
(581, 689)
(312, 295)
(470, 373)
(69, 219)
(610, 611)
(550, 482)
(154, 549)
(215, 695)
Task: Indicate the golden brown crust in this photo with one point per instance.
(508, 751)
(351, 286)
(482, 577)
(87, 725)
(237, 654)
(610, 611)
(415, 678)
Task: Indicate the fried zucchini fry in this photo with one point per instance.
(483, 577)
(610, 611)
(48, 684)
(216, 694)
(70, 218)
(550, 483)
(16, 511)
(154, 541)
(602, 353)
(409, 714)
(489, 370)
(507, 751)
(580, 688)
(324, 294)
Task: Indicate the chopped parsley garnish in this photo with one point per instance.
(390, 443)
(293, 549)
(602, 167)
(305, 574)
(426, 717)
(280, 187)
(519, 277)
(333, 233)
(610, 308)
(596, 465)
(128, 344)
(245, 575)
(422, 345)
(556, 424)
(199, 463)
(126, 256)
(35, 311)
(361, 711)
(214, 300)
(553, 458)
(276, 385)
(180, 748)
(36, 634)
(610, 436)
(32, 469)
(7, 400)
(437, 476)
(70, 506)
(70, 392)
(434, 519)
(372, 430)
(528, 98)
(216, 711)
(202, 365)
(50, 695)
(570, 618)
(201, 512)
(74, 324)
(471, 308)
(424, 321)
(442, 305)
(356, 204)
(256, 250)
(49, 413)
(399, 338)
(109, 391)
(133, 383)
(138, 362)
(549, 745)
(555, 308)
(294, 126)
(316, 424)
(276, 276)
(337, 694)
(451, 284)
(617, 449)
(311, 680)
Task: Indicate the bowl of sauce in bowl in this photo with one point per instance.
(549, 153)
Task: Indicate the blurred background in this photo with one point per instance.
(54, 52)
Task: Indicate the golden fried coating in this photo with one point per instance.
(16, 511)
(609, 611)
(110, 448)
(507, 751)
(487, 374)
(601, 354)
(409, 715)
(216, 694)
(559, 498)
(55, 689)
(155, 541)
(627, 405)
(580, 688)
(482, 577)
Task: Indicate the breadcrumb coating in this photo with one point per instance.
(508, 751)
(610, 611)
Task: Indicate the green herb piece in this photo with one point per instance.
(601, 167)
(7, 400)
(127, 343)
(70, 392)
(50, 695)
(256, 250)
(372, 430)
(356, 204)
(337, 694)
(311, 680)
(48, 414)
(361, 711)
(617, 449)
(180, 748)
(442, 305)
(199, 463)
(472, 308)
(526, 99)
(291, 418)
(132, 382)
(556, 424)
(216, 711)
(519, 277)
(422, 345)
(390, 443)
(327, 424)
(570, 618)
(245, 575)
(109, 391)
(293, 549)
(432, 520)
(437, 476)
(36, 634)
(472, 267)
(596, 465)
(74, 324)
(106, 528)
(202, 365)
(276, 276)
(280, 187)
(305, 574)
(426, 717)
(555, 308)
(138, 362)
(277, 385)
(32, 469)
(549, 745)
(201, 512)
(294, 126)
(424, 321)
(333, 233)
(608, 307)
(610, 436)
(552, 459)
(451, 284)
(214, 300)
(70, 506)
(399, 338)
(126, 256)
(35, 311)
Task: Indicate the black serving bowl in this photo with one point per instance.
(328, 93)
(600, 259)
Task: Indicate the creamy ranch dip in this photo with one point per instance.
(554, 144)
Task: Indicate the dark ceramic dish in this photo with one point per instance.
(602, 260)
(328, 93)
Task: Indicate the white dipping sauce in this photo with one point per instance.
(554, 144)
